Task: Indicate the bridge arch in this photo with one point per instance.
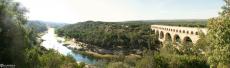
(187, 41)
(197, 33)
(191, 32)
(168, 37)
(161, 35)
(153, 30)
(177, 33)
(157, 33)
(176, 38)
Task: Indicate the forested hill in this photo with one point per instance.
(110, 35)
(41, 26)
(129, 34)
(37, 26)
(179, 22)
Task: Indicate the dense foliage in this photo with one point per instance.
(13, 36)
(39, 57)
(211, 50)
(19, 45)
(41, 26)
(161, 60)
(18, 42)
(37, 26)
(183, 22)
(134, 35)
(111, 35)
(167, 56)
(219, 38)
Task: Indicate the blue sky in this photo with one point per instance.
(72, 11)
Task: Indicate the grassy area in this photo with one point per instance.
(106, 56)
(97, 55)
(101, 55)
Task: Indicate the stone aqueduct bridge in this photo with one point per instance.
(178, 34)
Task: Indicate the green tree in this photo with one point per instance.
(200, 46)
(13, 36)
(147, 61)
(219, 38)
(19, 45)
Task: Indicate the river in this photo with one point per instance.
(51, 42)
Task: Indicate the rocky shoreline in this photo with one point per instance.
(94, 51)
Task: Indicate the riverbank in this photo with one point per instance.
(50, 40)
(92, 51)
(107, 56)
(81, 48)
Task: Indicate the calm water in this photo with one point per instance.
(51, 42)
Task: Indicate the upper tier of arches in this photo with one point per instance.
(181, 33)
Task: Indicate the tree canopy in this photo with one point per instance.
(18, 45)
(219, 37)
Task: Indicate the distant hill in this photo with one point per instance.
(41, 26)
(36, 26)
(49, 24)
(179, 22)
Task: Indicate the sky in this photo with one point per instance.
(72, 11)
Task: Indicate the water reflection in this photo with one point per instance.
(51, 42)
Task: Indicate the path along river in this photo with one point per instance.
(51, 42)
